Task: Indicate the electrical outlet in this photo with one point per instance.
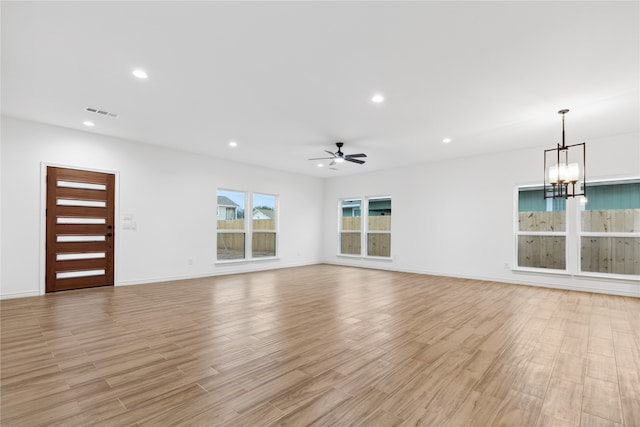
(506, 265)
(190, 261)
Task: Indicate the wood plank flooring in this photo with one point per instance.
(323, 346)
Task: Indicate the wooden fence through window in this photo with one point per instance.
(601, 254)
(263, 243)
(378, 244)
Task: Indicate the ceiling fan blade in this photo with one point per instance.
(360, 162)
(333, 169)
(340, 156)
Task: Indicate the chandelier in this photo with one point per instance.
(564, 169)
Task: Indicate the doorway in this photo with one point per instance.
(80, 233)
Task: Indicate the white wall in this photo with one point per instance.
(171, 193)
(456, 218)
(451, 218)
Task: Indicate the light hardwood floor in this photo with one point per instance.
(321, 345)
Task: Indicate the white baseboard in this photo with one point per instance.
(567, 287)
(20, 295)
(220, 270)
(223, 270)
(239, 269)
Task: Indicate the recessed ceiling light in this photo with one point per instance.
(88, 123)
(446, 140)
(320, 165)
(141, 74)
(377, 98)
(233, 144)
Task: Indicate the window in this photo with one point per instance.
(596, 236)
(263, 240)
(350, 227)
(610, 228)
(233, 230)
(542, 231)
(379, 227)
(375, 226)
(231, 225)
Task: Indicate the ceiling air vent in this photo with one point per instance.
(101, 112)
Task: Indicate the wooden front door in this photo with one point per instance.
(80, 229)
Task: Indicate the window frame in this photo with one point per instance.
(231, 230)
(275, 230)
(367, 231)
(581, 233)
(517, 233)
(364, 228)
(573, 232)
(340, 224)
(248, 228)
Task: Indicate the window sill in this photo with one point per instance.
(373, 258)
(246, 261)
(610, 276)
(541, 271)
(584, 275)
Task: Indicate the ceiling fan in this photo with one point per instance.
(339, 156)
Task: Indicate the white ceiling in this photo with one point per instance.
(286, 80)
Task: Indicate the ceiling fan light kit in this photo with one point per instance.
(340, 157)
